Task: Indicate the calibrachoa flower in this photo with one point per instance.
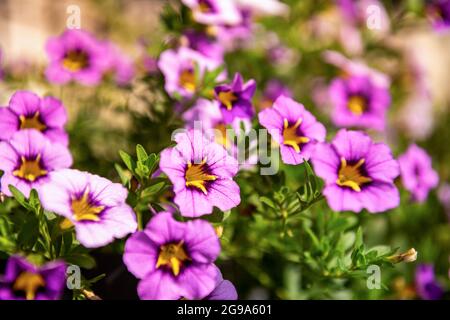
(179, 66)
(202, 174)
(358, 173)
(274, 89)
(203, 43)
(76, 56)
(28, 158)
(25, 281)
(27, 111)
(439, 13)
(418, 176)
(94, 205)
(236, 98)
(359, 102)
(213, 12)
(264, 7)
(174, 260)
(224, 290)
(426, 285)
(294, 128)
(119, 64)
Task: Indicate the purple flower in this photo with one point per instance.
(205, 44)
(224, 290)
(418, 176)
(94, 205)
(231, 37)
(119, 64)
(202, 174)
(426, 285)
(236, 98)
(28, 158)
(76, 56)
(264, 7)
(274, 89)
(214, 12)
(438, 12)
(358, 173)
(174, 260)
(359, 102)
(294, 128)
(179, 69)
(27, 111)
(444, 198)
(25, 281)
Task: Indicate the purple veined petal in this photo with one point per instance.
(352, 145)
(225, 290)
(93, 234)
(28, 142)
(73, 181)
(202, 241)
(380, 164)
(24, 103)
(140, 255)
(54, 274)
(326, 162)
(56, 74)
(56, 156)
(9, 123)
(120, 220)
(193, 203)
(220, 162)
(290, 156)
(173, 165)
(57, 136)
(224, 194)
(198, 281)
(379, 197)
(163, 228)
(106, 192)
(159, 285)
(55, 198)
(8, 157)
(342, 199)
(288, 108)
(272, 121)
(53, 112)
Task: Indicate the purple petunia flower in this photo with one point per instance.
(236, 98)
(179, 69)
(76, 56)
(214, 12)
(202, 174)
(174, 260)
(205, 44)
(359, 102)
(358, 173)
(438, 12)
(94, 205)
(28, 158)
(25, 281)
(119, 64)
(274, 89)
(294, 128)
(426, 285)
(418, 176)
(27, 111)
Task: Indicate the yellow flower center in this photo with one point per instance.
(33, 122)
(291, 136)
(29, 283)
(357, 105)
(30, 169)
(76, 60)
(187, 80)
(84, 210)
(197, 176)
(351, 175)
(221, 135)
(227, 98)
(173, 256)
(204, 6)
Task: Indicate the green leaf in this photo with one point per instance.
(128, 160)
(29, 232)
(81, 260)
(20, 198)
(141, 153)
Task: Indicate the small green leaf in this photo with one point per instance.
(19, 197)
(128, 160)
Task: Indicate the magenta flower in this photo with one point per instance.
(205, 44)
(27, 111)
(94, 205)
(359, 102)
(179, 69)
(120, 65)
(25, 281)
(174, 260)
(236, 98)
(202, 174)
(274, 89)
(358, 173)
(426, 285)
(28, 158)
(438, 12)
(76, 56)
(214, 12)
(418, 176)
(294, 128)
(224, 290)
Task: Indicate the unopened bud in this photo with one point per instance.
(219, 231)
(408, 256)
